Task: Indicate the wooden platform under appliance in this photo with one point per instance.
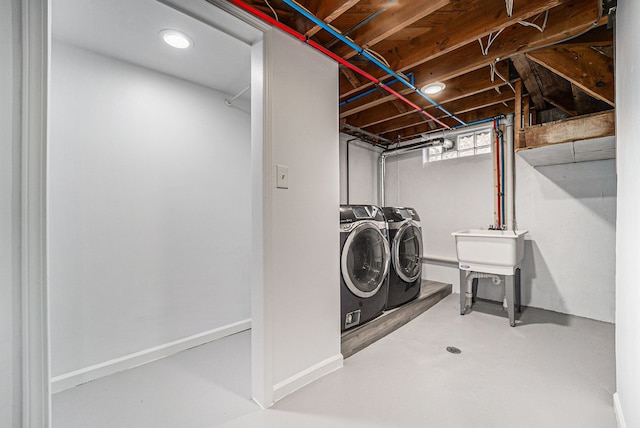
(362, 336)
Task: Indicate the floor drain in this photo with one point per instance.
(453, 350)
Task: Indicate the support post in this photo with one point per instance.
(517, 121)
(509, 288)
(463, 288)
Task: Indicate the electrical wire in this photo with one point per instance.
(495, 72)
(537, 27)
(492, 38)
(272, 10)
(509, 6)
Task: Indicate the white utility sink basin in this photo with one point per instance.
(490, 251)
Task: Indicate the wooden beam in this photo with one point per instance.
(525, 110)
(460, 24)
(517, 117)
(350, 76)
(599, 36)
(369, 110)
(562, 105)
(396, 18)
(401, 107)
(475, 102)
(529, 78)
(472, 116)
(330, 10)
(586, 104)
(582, 66)
(571, 18)
(458, 107)
(587, 127)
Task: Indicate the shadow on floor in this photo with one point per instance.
(528, 316)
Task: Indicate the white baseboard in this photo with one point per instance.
(78, 377)
(617, 408)
(305, 377)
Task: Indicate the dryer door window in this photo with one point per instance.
(407, 250)
(365, 260)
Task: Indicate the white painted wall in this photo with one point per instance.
(301, 234)
(149, 209)
(569, 210)
(448, 196)
(10, 285)
(363, 172)
(628, 236)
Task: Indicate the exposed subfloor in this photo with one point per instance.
(552, 370)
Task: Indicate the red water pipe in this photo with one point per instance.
(327, 52)
(498, 175)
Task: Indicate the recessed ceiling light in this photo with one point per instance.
(176, 39)
(433, 88)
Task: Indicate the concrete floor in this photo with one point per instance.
(552, 370)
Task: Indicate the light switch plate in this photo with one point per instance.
(282, 177)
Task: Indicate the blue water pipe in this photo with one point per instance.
(366, 55)
(490, 119)
(371, 91)
(502, 175)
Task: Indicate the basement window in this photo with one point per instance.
(467, 144)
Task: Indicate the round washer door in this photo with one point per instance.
(407, 251)
(365, 260)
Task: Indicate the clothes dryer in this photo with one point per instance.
(405, 241)
(364, 264)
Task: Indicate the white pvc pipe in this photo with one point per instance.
(438, 259)
(469, 291)
(381, 175)
(509, 190)
(449, 134)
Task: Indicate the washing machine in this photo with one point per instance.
(405, 241)
(364, 264)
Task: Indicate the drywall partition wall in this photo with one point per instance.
(627, 249)
(149, 210)
(568, 209)
(24, 371)
(10, 281)
(362, 169)
(301, 233)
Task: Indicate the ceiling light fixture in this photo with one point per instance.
(176, 39)
(433, 88)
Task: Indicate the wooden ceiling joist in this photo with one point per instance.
(330, 10)
(571, 18)
(566, 105)
(529, 79)
(475, 115)
(351, 77)
(565, 63)
(478, 20)
(458, 107)
(583, 66)
(459, 87)
(402, 14)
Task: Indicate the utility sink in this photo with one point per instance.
(491, 251)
